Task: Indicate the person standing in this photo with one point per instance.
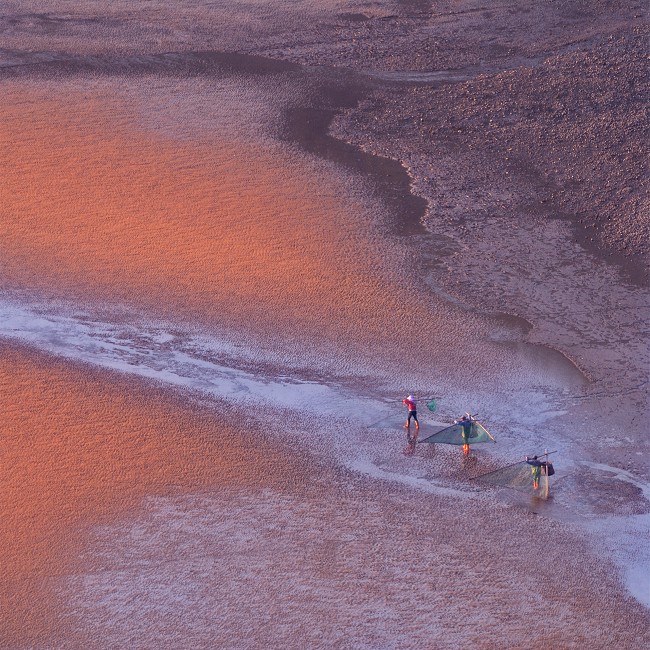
(466, 423)
(412, 407)
(536, 468)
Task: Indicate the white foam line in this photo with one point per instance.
(151, 353)
(627, 537)
(180, 360)
(367, 467)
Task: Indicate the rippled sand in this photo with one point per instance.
(210, 311)
(137, 517)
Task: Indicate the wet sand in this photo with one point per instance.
(280, 242)
(80, 449)
(262, 288)
(136, 514)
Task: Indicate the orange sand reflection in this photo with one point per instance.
(222, 229)
(77, 448)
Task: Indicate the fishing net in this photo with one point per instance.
(432, 406)
(518, 476)
(453, 435)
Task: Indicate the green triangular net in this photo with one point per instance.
(518, 476)
(453, 435)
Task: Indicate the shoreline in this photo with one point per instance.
(310, 126)
(193, 456)
(171, 525)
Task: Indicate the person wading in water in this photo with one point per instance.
(412, 406)
(466, 423)
(536, 468)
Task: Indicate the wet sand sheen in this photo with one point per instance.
(134, 514)
(80, 448)
(224, 229)
(104, 200)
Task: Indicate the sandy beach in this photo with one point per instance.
(234, 237)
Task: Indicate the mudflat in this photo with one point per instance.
(234, 237)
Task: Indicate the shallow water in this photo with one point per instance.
(136, 513)
(200, 323)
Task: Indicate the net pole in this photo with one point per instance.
(546, 481)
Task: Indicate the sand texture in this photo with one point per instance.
(234, 236)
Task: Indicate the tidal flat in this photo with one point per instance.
(233, 237)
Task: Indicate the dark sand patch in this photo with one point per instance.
(49, 65)
(309, 127)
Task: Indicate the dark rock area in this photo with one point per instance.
(572, 129)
